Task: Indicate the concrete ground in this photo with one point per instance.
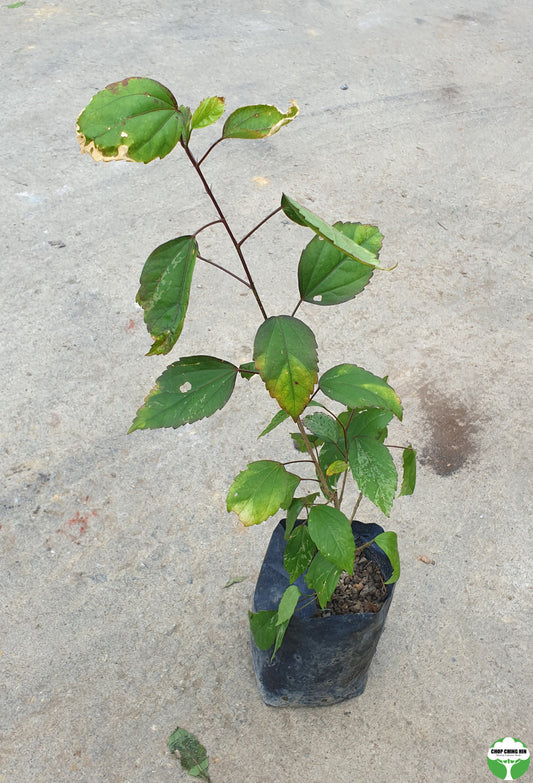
(116, 626)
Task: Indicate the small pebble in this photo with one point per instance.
(344, 86)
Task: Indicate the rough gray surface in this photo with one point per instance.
(115, 549)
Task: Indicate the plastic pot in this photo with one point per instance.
(323, 660)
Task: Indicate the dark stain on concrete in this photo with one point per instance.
(452, 427)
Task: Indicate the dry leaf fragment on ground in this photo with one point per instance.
(426, 559)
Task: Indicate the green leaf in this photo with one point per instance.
(339, 466)
(280, 417)
(322, 577)
(257, 122)
(334, 236)
(190, 389)
(299, 552)
(331, 531)
(409, 471)
(299, 442)
(186, 117)
(261, 490)
(280, 633)
(327, 456)
(285, 355)
(208, 112)
(193, 756)
(164, 292)
(263, 628)
(16, 5)
(374, 471)
(294, 509)
(388, 542)
(135, 119)
(327, 276)
(287, 604)
(358, 388)
(247, 370)
(368, 423)
(323, 426)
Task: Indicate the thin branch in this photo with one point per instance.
(218, 266)
(296, 308)
(345, 476)
(249, 234)
(354, 512)
(294, 461)
(320, 473)
(213, 223)
(209, 150)
(227, 227)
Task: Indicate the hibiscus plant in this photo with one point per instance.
(341, 416)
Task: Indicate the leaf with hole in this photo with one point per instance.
(136, 119)
(388, 542)
(374, 471)
(257, 122)
(358, 388)
(261, 490)
(193, 755)
(327, 276)
(164, 292)
(208, 112)
(285, 355)
(192, 388)
(331, 531)
(347, 246)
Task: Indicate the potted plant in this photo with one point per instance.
(327, 580)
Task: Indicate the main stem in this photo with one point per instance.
(225, 223)
(320, 473)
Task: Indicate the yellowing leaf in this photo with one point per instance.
(285, 355)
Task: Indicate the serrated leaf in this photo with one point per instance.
(285, 354)
(339, 466)
(261, 490)
(304, 217)
(409, 471)
(278, 419)
(287, 604)
(388, 542)
(327, 276)
(368, 423)
(358, 388)
(331, 531)
(257, 122)
(323, 426)
(374, 471)
(190, 389)
(193, 755)
(322, 577)
(164, 292)
(247, 370)
(263, 628)
(299, 551)
(208, 112)
(136, 119)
